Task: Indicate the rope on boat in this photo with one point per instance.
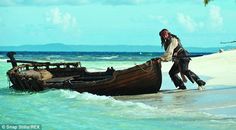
(151, 63)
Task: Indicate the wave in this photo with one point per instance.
(98, 98)
(141, 110)
(53, 57)
(3, 60)
(108, 57)
(219, 107)
(116, 107)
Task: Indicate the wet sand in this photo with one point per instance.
(214, 100)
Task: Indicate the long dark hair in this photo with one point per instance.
(164, 40)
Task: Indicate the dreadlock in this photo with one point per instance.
(164, 40)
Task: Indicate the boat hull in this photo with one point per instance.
(140, 79)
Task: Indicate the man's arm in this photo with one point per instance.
(167, 56)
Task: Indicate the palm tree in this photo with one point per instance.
(206, 2)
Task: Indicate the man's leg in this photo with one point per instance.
(191, 75)
(196, 78)
(175, 78)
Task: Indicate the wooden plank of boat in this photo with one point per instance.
(125, 82)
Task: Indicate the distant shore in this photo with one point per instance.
(60, 47)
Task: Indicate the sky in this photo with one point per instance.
(116, 22)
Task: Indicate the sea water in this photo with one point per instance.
(211, 109)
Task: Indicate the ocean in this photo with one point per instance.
(64, 109)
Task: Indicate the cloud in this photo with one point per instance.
(83, 2)
(159, 18)
(215, 17)
(63, 19)
(123, 2)
(188, 23)
(42, 2)
(70, 2)
(215, 20)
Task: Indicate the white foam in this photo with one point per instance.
(108, 57)
(53, 57)
(3, 60)
(130, 109)
(219, 107)
(126, 107)
(93, 97)
(220, 117)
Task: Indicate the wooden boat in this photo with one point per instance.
(37, 76)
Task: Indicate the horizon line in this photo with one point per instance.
(99, 45)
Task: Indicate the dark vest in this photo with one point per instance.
(182, 53)
(168, 42)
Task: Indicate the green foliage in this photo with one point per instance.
(206, 2)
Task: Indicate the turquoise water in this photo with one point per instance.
(212, 109)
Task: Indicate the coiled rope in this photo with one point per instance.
(151, 63)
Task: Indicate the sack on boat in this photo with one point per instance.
(40, 75)
(45, 74)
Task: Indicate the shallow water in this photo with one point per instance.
(213, 108)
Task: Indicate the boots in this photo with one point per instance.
(193, 77)
(183, 87)
(200, 82)
(178, 82)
